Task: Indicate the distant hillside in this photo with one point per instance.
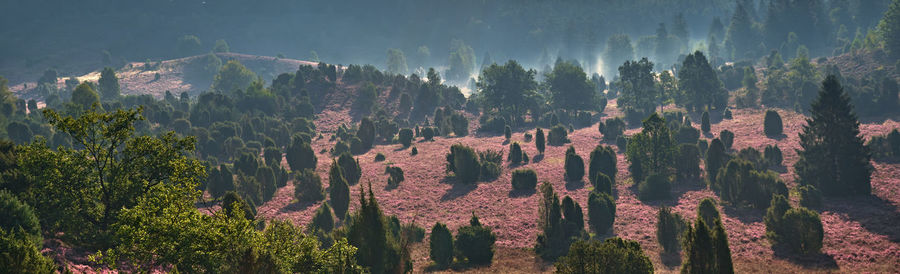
(140, 77)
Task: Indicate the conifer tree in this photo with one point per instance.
(339, 190)
(539, 141)
(832, 156)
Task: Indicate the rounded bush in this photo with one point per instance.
(308, 186)
(804, 232)
(574, 165)
(601, 212)
(380, 157)
(515, 153)
(428, 133)
(475, 243)
(810, 196)
(405, 137)
(323, 219)
(440, 245)
(395, 175)
(707, 211)
(772, 124)
(463, 162)
(558, 136)
(603, 160)
(350, 168)
(524, 179)
(414, 151)
(654, 187)
(603, 184)
(507, 132)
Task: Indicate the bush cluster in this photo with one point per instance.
(475, 242)
(739, 182)
(524, 179)
(395, 175)
(654, 187)
(558, 136)
(614, 255)
(612, 128)
(603, 160)
(797, 229)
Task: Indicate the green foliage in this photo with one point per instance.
(366, 133)
(507, 132)
(603, 160)
(655, 187)
(108, 83)
(715, 159)
(85, 96)
(558, 136)
(463, 162)
(233, 76)
(266, 177)
(612, 128)
(772, 125)
(704, 122)
(889, 30)
(300, 155)
(20, 237)
(461, 62)
(614, 255)
(405, 137)
(221, 46)
(574, 165)
(570, 89)
(395, 175)
(440, 245)
(539, 140)
(370, 231)
(396, 62)
(515, 153)
(524, 179)
(810, 197)
(475, 243)
(638, 98)
(652, 150)
(308, 186)
(687, 162)
(670, 228)
(339, 190)
(773, 155)
(832, 155)
(491, 164)
(706, 249)
(727, 138)
(557, 233)
(803, 231)
(509, 89)
(700, 85)
(323, 219)
(188, 45)
(350, 168)
(601, 211)
(235, 206)
(708, 211)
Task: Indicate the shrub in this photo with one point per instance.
(350, 168)
(556, 233)
(428, 133)
(412, 232)
(490, 123)
(440, 245)
(601, 212)
(339, 190)
(459, 123)
(323, 219)
(491, 161)
(462, 161)
(405, 137)
(772, 124)
(727, 114)
(614, 255)
(774, 218)
(524, 179)
(603, 160)
(475, 242)
(754, 157)
(20, 238)
(583, 119)
(366, 132)
(707, 211)
(612, 128)
(687, 135)
(308, 186)
(810, 196)
(395, 175)
(687, 162)
(654, 187)
(803, 231)
(539, 142)
(727, 138)
(773, 156)
(17, 217)
(572, 213)
(670, 227)
(528, 137)
(266, 177)
(703, 145)
(232, 201)
(341, 147)
(574, 165)
(715, 159)
(739, 182)
(621, 142)
(380, 157)
(704, 122)
(220, 181)
(273, 156)
(558, 136)
(515, 153)
(507, 132)
(414, 151)
(603, 184)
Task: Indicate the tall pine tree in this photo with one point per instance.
(832, 155)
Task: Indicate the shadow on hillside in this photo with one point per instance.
(458, 190)
(295, 206)
(872, 212)
(574, 185)
(521, 193)
(744, 214)
(778, 137)
(537, 158)
(819, 261)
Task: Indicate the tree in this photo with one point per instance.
(740, 38)
(323, 219)
(707, 211)
(109, 83)
(574, 165)
(670, 228)
(889, 27)
(300, 155)
(715, 159)
(235, 206)
(515, 153)
(85, 96)
(475, 242)
(233, 76)
(508, 88)
(700, 84)
(704, 122)
(20, 237)
(772, 123)
(110, 170)
(618, 50)
(396, 62)
(308, 186)
(440, 245)
(603, 160)
(687, 162)
(370, 231)
(188, 45)
(339, 190)
(601, 211)
(833, 156)
(570, 89)
(461, 62)
(350, 168)
(557, 233)
(639, 94)
(614, 255)
(652, 150)
(366, 132)
(539, 140)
